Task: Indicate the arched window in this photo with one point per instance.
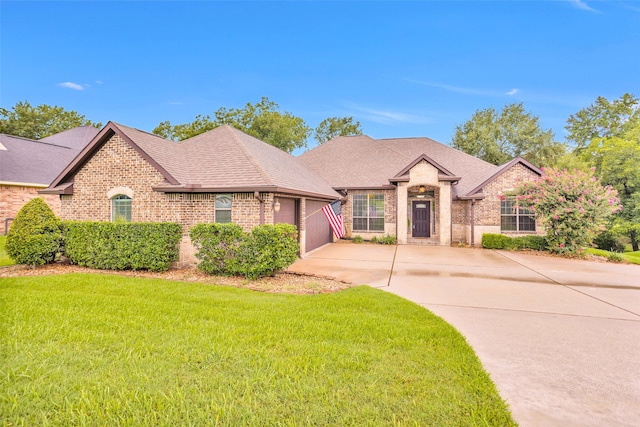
(121, 208)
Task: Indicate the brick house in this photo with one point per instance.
(27, 166)
(421, 191)
(223, 175)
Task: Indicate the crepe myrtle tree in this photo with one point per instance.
(573, 206)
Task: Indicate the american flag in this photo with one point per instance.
(333, 212)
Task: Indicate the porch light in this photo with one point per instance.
(276, 206)
(422, 189)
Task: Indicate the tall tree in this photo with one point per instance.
(603, 119)
(607, 136)
(499, 137)
(41, 121)
(264, 120)
(333, 127)
(618, 159)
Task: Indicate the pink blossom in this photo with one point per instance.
(556, 217)
(562, 245)
(560, 199)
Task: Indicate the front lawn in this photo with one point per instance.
(4, 258)
(86, 349)
(632, 257)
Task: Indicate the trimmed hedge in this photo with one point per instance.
(225, 249)
(500, 241)
(122, 245)
(217, 247)
(34, 237)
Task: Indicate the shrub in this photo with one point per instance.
(122, 245)
(609, 242)
(226, 249)
(496, 241)
(387, 239)
(268, 249)
(357, 239)
(501, 241)
(530, 241)
(217, 247)
(34, 237)
(615, 257)
(374, 239)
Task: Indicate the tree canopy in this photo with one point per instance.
(499, 137)
(333, 127)
(39, 122)
(603, 119)
(263, 120)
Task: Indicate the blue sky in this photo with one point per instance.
(402, 69)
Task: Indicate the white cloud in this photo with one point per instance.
(387, 117)
(98, 82)
(465, 90)
(582, 5)
(71, 85)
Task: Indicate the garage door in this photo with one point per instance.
(317, 226)
(288, 213)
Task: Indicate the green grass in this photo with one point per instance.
(632, 257)
(4, 258)
(86, 349)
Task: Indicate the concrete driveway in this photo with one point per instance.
(560, 338)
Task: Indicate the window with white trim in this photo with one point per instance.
(368, 212)
(515, 218)
(223, 208)
(121, 208)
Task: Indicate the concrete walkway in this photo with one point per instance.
(560, 338)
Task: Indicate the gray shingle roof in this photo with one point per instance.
(39, 162)
(223, 159)
(364, 162)
(76, 138)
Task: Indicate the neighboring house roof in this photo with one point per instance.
(221, 160)
(76, 138)
(37, 163)
(351, 162)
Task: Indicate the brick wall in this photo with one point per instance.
(116, 165)
(487, 211)
(14, 197)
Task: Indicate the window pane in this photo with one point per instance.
(506, 206)
(223, 201)
(121, 208)
(376, 205)
(360, 224)
(527, 223)
(359, 205)
(376, 224)
(223, 215)
(508, 223)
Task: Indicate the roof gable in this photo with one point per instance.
(442, 171)
(143, 140)
(499, 171)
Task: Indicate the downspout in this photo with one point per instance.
(256, 194)
(473, 220)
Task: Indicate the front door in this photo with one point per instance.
(421, 214)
